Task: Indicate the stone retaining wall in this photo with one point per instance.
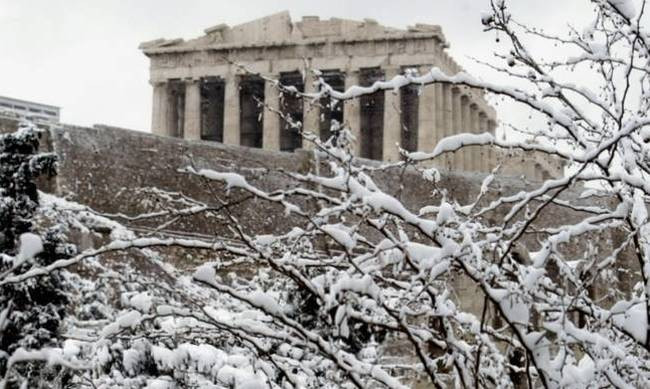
(104, 167)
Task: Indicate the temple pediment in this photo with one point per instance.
(280, 29)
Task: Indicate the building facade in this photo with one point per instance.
(30, 110)
(210, 87)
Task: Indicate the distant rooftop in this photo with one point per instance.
(30, 109)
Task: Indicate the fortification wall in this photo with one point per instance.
(106, 167)
(103, 166)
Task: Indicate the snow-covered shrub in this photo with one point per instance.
(31, 312)
(20, 165)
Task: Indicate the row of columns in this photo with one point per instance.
(456, 113)
(443, 110)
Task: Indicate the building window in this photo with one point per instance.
(212, 108)
(291, 106)
(371, 116)
(331, 112)
(176, 112)
(409, 114)
(251, 99)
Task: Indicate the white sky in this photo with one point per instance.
(82, 55)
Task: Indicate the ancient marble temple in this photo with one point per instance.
(209, 88)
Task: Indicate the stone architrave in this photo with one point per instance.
(160, 106)
(231, 130)
(271, 120)
(352, 111)
(392, 119)
(192, 117)
(310, 111)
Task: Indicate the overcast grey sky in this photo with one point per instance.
(82, 55)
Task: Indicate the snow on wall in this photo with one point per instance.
(102, 167)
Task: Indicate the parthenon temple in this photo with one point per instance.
(209, 88)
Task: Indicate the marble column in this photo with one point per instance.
(439, 128)
(493, 151)
(484, 165)
(270, 119)
(475, 118)
(392, 119)
(159, 109)
(482, 122)
(430, 126)
(458, 156)
(352, 111)
(192, 117)
(531, 168)
(491, 127)
(175, 111)
(474, 151)
(310, 111)
(231, 129)
(447, 120)
(428, 115)
(466, 128)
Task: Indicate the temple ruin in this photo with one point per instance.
(208, 88)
